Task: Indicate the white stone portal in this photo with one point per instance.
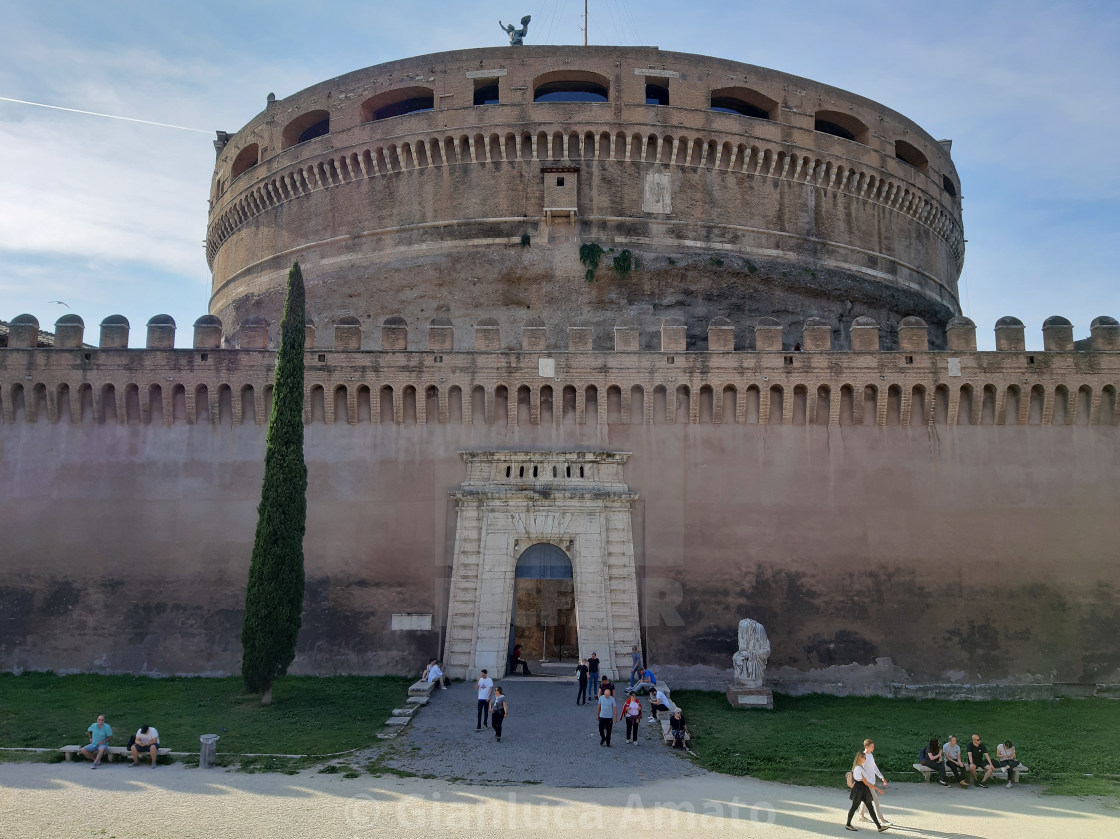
(510, 501)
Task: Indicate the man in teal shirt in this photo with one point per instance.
(99, 734)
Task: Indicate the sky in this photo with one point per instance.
(108, 216)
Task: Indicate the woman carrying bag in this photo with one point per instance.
(861, 792)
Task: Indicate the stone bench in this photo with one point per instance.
(1000, 772)
(111, 752)
(421, 688)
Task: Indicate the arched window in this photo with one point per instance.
(305, 127)
(246, 159)
(948, 185)
(743, 101)
(543, 561)
(571, 86)
(842, 125)
(908, 154)
(396, 103)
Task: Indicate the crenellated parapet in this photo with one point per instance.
(415, 379)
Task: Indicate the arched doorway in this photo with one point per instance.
(544, 605)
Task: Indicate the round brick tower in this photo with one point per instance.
(595, 183)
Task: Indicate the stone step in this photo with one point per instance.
(388, 734)
(421, 689)
(418, 701)
(404, 712)
(398, 721)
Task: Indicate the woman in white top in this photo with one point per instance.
(1005, 754)
(861, 792)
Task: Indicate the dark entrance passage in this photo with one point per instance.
(544, 607)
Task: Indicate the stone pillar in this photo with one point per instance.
(534, 335)
(161, 333)
(1010, 335)
(579, 338)
(1057, 334)
(768, 335)
(208, 333)
(626, 336)
(114, 333)
(441, 334)
(865, 335)
(348, 334)
(721, 335)
(1104, 334)
(487, 335)
(913, 335)
(674, 337)
(23, 332)
(960, 335)
(253, 334)
(816, 336)
(394, 334)
(69, 331)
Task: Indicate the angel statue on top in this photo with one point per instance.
(517, 36)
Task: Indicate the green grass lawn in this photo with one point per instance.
(308, 715)
(812, 739)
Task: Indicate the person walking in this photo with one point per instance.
(484, 686)
(635, 666)
(872, 770)
(632, 714)
(862, 791)
(581, 675)
(593, 676)
(608, 715)
(499, 710)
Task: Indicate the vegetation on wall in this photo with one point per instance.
(590, 254)
(274, 597)
(623, 263)
(525, 240)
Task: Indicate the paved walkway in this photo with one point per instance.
(547, 739)
(68, 801)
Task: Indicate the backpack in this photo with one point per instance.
(850, 779)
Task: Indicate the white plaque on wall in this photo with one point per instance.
(657, 197)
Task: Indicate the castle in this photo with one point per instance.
(610, 347)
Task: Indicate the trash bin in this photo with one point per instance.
(209, 751)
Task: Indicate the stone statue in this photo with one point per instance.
(754, 649)
(517, 36)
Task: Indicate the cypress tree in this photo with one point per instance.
(274, 597)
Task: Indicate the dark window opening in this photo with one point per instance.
(559, 181)
(405, 106)
(571, 91)
(909, 359)
(486, 93)
(826, 127)
(507, 471)
(246, 159)
(322, 357)
(534, 471)
(657, 94)
(908, 154)
(950, 187)
(554, 471)
(521, 472)
(789, 359)
(730, 105)
(581, 471)
(319, 129)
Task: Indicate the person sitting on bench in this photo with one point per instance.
(515, 661)
(147, 740)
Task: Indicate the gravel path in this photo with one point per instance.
(547, 739)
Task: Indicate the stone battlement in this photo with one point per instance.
(540, 385)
